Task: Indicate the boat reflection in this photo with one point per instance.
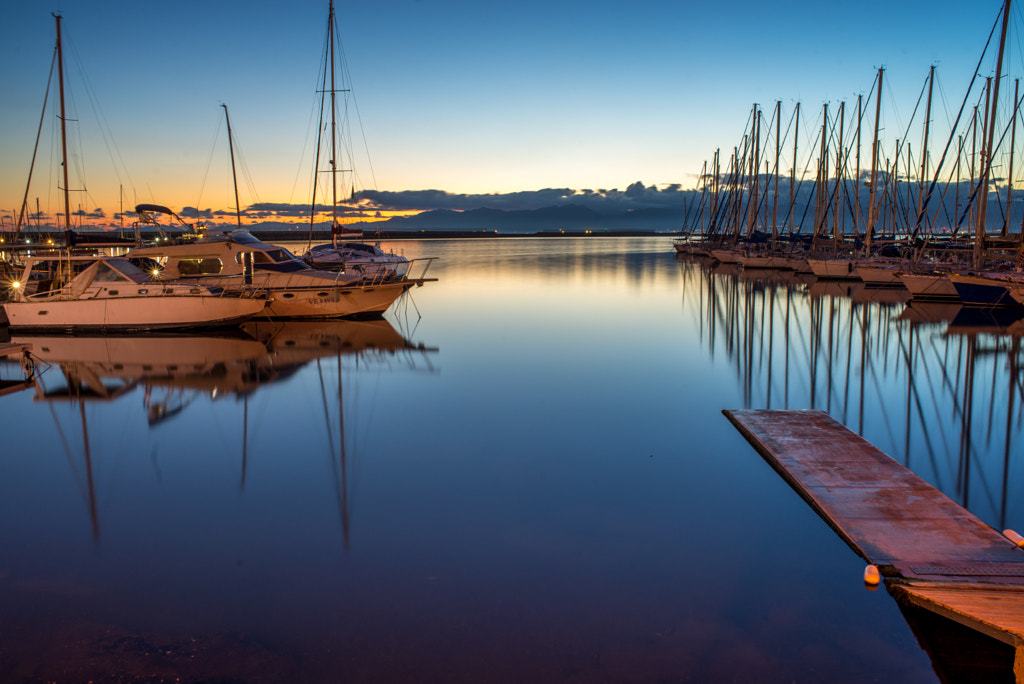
(939, 387)
(172, 372)
(17, 371)
(105, 367)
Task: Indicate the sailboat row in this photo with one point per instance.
(205, 279)
(926, 224)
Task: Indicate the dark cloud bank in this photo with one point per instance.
(638, 207)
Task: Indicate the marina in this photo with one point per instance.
(405, 498)
(393, 433)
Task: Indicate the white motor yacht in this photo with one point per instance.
(239, 262)
(71, 293)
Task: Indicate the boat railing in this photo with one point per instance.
(413, 270)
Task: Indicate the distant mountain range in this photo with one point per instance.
(568, 218)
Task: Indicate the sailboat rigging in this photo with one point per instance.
(338, 231)
(345, 252)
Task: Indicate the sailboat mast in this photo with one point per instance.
(234, 177)
(334, 148)
(979, 237)
(856, 177)
(1013, 142)
(68, 234)
(821, 209)
(840, 168)
(755, 163)
(872, 211)
(924, 147)
(775, 200)
(792, 171)
(715, 188)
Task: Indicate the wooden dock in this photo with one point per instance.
(932, 552)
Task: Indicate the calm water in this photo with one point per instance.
(522, 474)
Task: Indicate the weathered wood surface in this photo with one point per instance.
(991, 609)
(937, 554)
(886, 513)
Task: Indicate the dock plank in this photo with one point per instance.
(886, 513)
(995, 611)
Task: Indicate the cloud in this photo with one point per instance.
(635, 196)
(94, 214)
(373, 203)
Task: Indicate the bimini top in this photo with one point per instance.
(153, 207)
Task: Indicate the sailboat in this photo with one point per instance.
(346, 252)
(239, 262)
(70, 292)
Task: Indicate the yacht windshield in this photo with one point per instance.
(280, 255)
(120, 269)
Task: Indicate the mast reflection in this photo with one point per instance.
(937, 386)
(172, 371)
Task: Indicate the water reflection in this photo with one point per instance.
(172, 371)
(936, 386)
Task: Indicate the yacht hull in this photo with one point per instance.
(132, 313)
(832, 269)
(982, 291)
(336, 302)
(926, 286)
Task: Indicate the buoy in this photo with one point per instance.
(872, 576)
(1014, 537)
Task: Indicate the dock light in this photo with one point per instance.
(1017, 540)
(872, 576)
(15, 285)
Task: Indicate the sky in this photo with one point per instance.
(466, 98)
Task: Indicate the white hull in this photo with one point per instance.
(929, 286)
(727, 256)
(335, 302)
(131, 313)
(767, 262)
(295, 289)
(832, 268)
(879, 276)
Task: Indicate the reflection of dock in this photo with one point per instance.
(933, 553)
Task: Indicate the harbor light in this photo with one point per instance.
(872, 576)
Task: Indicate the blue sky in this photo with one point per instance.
(464, 97)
